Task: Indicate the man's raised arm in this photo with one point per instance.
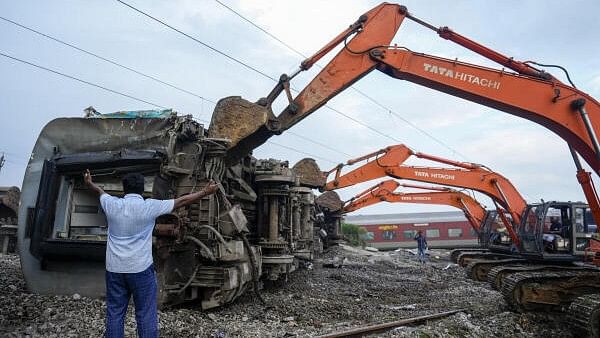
(184, 200)
(87, 178)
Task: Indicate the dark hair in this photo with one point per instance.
(133, 183)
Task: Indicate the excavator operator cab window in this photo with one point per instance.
(530, 230)
(557, 225)
(584, 228)
(584, 222)
(493, 230)
(499, 234)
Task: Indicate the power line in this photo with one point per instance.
(424, 132)
(137, 99)
(261, 29)
(81, 81)
(113, 62)
(198, 41)
(154, 78)
(301, 152)
(363, 124)
(247, 66)
(318, 143)
(368, 97)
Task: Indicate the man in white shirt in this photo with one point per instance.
(129, 266)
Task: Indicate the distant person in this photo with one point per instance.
(129, 266)
(421, 245)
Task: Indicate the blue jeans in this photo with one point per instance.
(422, 256)
(119, 288)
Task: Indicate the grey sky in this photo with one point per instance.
(535, 160)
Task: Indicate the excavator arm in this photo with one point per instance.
(529, 93)
(551, 104)
(372, 195)
(248, 125)
(388, 162)
(384, 192)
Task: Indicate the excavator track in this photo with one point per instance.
(478, 269)
(466, 257)
(497, 274)
(548, 290)
(456, 252)
(584, 314)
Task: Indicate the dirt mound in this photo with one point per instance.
(329, 200)
(309, 173)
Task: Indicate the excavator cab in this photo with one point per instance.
(559, 231)
(493, 234)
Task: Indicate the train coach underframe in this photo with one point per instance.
(261, 225)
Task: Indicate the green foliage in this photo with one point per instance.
(354, 234)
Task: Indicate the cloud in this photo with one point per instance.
(307, 25)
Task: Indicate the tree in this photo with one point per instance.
(354, 234)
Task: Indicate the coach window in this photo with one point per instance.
(409, 234)
(473, 232)
(455, 232)
(389, 234)
(431, 233)
(369, 236)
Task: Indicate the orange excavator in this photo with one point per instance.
(531, 93)
(385, 192)
(484, 222)
(388, 162)
(488, 225)
(522, 89)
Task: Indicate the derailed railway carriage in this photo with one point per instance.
(261, 225)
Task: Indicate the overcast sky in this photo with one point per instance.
(537, 161)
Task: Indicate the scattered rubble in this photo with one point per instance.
(369, 288)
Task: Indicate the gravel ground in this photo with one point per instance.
(369, 288)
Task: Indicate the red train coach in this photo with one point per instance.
(391, 231)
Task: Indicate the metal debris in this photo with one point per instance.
(386, 326)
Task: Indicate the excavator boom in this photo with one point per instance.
(384, 191)
(551, 104)
(530, 93)
(388, 162)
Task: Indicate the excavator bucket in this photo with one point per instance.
(329, 200)
(309, 173)
(240, 121)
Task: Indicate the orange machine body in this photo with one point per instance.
(530, 93)
(388, 162)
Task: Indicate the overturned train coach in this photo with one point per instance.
(261, 226)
